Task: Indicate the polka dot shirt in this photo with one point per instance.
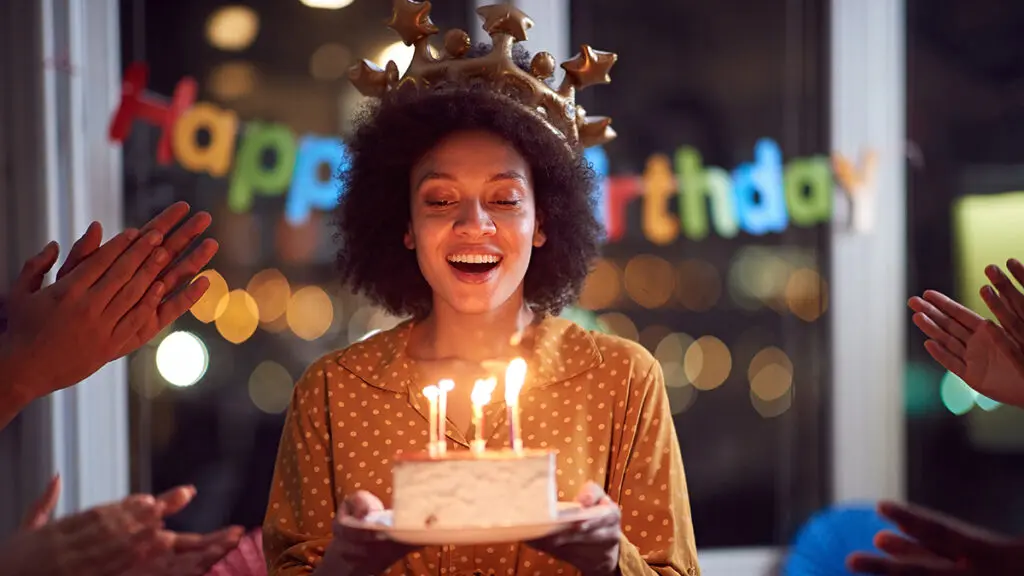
(598, 400)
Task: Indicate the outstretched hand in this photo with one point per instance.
(932, 544)
(181, 265)
(987, 356)
(108, 300)
(134, 533)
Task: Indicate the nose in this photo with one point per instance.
(473, 220)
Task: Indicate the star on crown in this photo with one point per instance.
(506, 25)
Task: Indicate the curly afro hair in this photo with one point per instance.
(374, 210)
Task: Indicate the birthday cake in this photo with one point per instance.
(474, 490)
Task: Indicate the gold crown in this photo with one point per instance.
(506, 25)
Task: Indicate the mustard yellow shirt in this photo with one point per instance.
(598, 400)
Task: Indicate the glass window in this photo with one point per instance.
(259, 151)
(717, 204)
(965, 453)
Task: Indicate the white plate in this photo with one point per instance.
(568, 513)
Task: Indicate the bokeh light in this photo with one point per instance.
(240, 319)
(232, 80)
(680, 397)
(232, 28)
(772, 408)
(214, 301)
(707, 363)
(620, 325)
(310, 312)
(770, 374)
(649, 280)
(182, 359)
(956, 395)
(397, 52)
(271, 291)
(270, 387)
(327, 4)
(603, 287)
(806, 294)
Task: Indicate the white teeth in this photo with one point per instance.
(475, 258)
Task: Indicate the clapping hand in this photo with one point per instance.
(131, 532)
(188, 554)
(107, 301)
(932, 544)
(109, 540)
(987, 356)
(592, 546)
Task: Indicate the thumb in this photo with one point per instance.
(39, 514)
(31, 277)
(360, 504)
(591, 495)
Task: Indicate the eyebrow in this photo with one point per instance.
(507, 175)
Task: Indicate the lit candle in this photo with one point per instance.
(515, 375)
(444, 387)
(480, 396)
(431, 393)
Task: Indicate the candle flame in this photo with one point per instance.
(446, 385)
(431, 392)
(482, 391)
(515, 375)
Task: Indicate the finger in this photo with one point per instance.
(174, 307)
(130, 294)
(124, 268)
(947, 359)
(123, 552)
(936, 532)
(863, 563)
(34, 270)
(900, 546)
(165, 221)
(1016, 270)
(91, 270)
(175, 500)
(1013, 298)
(140, 322)
(138, 319)
(82, 248)
(999, 306)
(360, 504)
(1005, 345)
(956, 311)
(223, 537)
(943, 327)
(182, 237)
(933, 330)
(590, 494)
(190, 265)
(40, 512)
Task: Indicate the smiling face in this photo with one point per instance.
(474, 222)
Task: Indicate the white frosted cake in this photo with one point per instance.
(463, 489)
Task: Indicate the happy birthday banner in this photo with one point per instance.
(759, 197)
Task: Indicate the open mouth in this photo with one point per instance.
(474, 263)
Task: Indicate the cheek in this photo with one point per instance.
(428, 234)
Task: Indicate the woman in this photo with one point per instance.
(467, 212)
